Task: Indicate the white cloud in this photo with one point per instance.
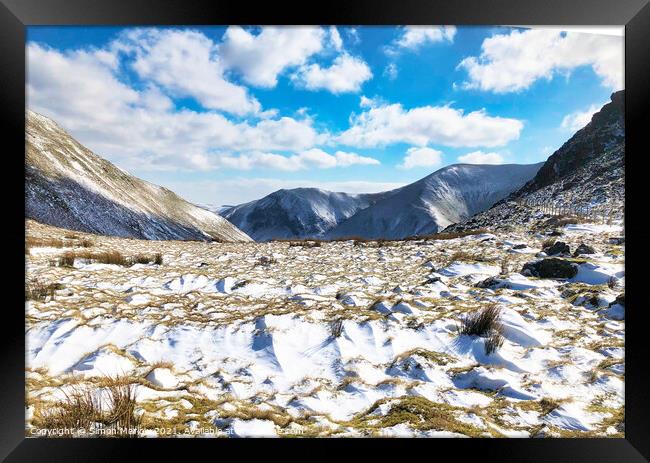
(185, 63)
(513, 62)
(390, 71)
(352, 34)
(313, 158)
(390, 123)
(618, 31)
(578, 119)
(421, 157)
(261, 58)
(140, 129)
(479, 157)
(412, 37)
(346, 74)
(335, 38)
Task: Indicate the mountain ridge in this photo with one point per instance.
(422, 207)
(586, 172)
(69, 186)
(430, 204)
(297, 213)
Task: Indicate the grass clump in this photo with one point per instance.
(493, 342)
(145, 259)
(484, 323)
(438, 358)
(547, 405)
(108, 257)
(464, 256)
(505, 265)
(38, 291)
(450, 235)
(34, 242)
(66, 260)
(312, 243)
(336, 328)
(91, 410)
(265, 261)
(419, 413)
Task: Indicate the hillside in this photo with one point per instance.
(69, 186)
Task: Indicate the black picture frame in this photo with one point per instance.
(15, 15)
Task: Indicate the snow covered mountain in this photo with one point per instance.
(297, 213)
(588, 172)
(69, 186)
(449, 195)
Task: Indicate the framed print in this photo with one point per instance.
(396, 224)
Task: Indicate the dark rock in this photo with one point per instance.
(557, 248)
(203, 265)
(619, 240)
(620, 299)
(584, 249)
(431, 280)
(550, 268)
(490, 283)
(555, 233)
(520, 246)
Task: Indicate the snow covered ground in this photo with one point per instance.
(342, 339)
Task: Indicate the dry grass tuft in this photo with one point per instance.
(482, 322)
(548, 405)
(336, 328)
(66, 260)
(493, 342)
(38, 291)
(108, 411)
(34, 242)
(108, 257)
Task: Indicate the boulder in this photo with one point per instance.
(557, 248)
(584, 249)
(490, 283)
(550, 268)
(620, 299)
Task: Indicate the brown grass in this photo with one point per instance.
(68, 241)
(66, 260)
(449, 235)
(464, 256)
(493, 342)
(108, 257)
(435, 236)
(547, 243)
(569, 220)
(505, 265)
(34, 242)
(482, 322)
(81, 411)
(305, 244)
(548, 405)
(336, 328)
(38, 291)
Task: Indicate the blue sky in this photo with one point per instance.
(227, 115)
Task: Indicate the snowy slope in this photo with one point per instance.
(296, 213)
(69, 186)
(588, 171)
(449, 195)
